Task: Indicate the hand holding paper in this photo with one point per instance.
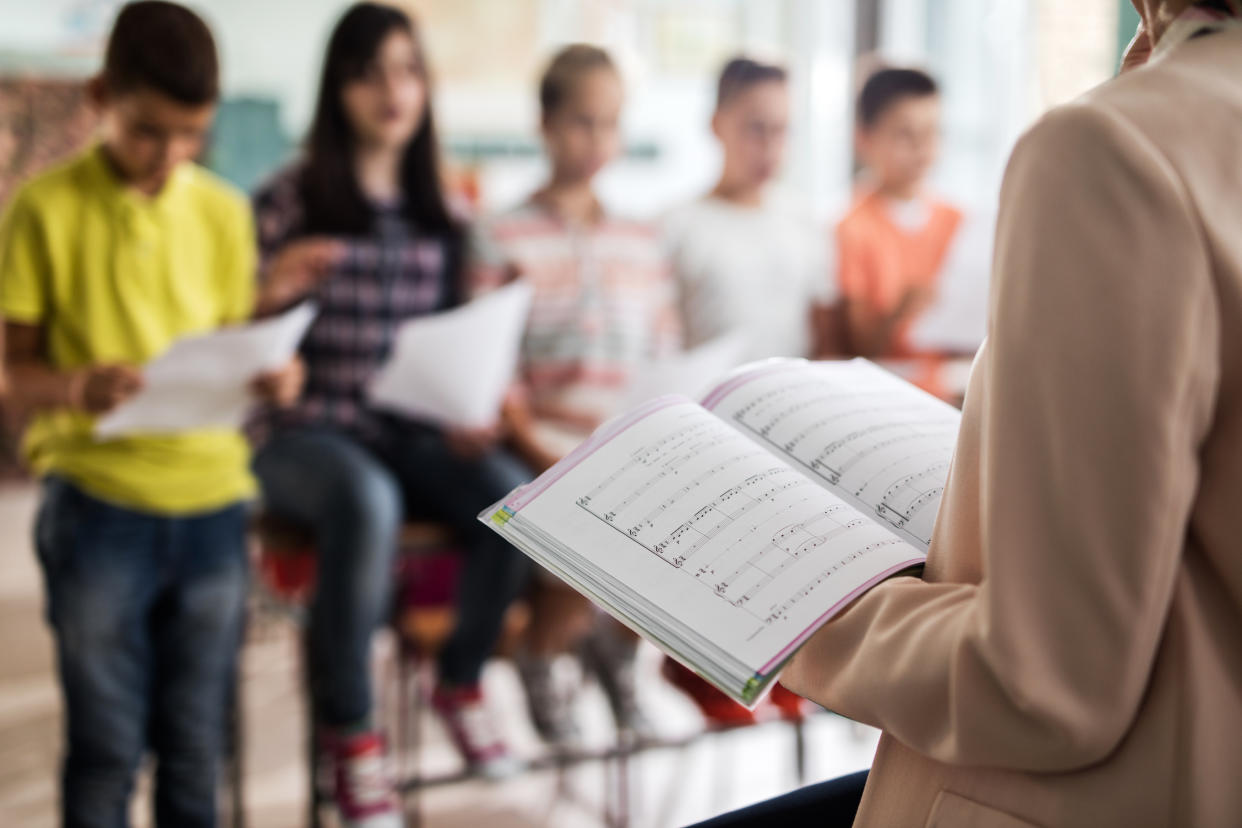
(204, 381)
(454, 368)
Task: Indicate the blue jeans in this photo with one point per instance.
(353, 496)
(147, 613)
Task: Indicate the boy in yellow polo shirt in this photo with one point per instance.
(104, 262)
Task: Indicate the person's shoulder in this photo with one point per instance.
(217, 195)
(1199, 72)
(66, 179)
(1175, 106)
(512, 222)
(861, 216)
(689, 213)
(946, 211)
(635, 226)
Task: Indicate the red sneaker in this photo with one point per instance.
(791, 706)
(471, 727)
(366, 795)
(715, 706)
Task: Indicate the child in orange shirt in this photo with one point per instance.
(894, 241)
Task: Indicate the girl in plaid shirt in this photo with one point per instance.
(360, 225)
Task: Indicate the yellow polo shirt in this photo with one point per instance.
(114, 276)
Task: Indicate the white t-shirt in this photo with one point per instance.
(755, 271)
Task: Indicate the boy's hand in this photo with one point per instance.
(296, 269)
(283, 386)
(101, 388)
(914, 301)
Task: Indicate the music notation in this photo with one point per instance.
(880, 444)
(781, 610)
(705, 500)
(729, 531)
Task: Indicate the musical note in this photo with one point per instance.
(882, 445)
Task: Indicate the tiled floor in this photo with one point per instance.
(667, 787)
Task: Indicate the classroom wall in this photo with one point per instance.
(1000, 63)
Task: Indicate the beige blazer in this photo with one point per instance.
(1073, 656)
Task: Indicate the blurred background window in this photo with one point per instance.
(1000, 65)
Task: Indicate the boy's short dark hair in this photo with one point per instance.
(164, 47)
(741, 73)
(887, 86)
(565, 68)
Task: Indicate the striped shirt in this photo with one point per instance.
(383, 279)
(605, 304)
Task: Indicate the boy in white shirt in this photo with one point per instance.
(748, 262)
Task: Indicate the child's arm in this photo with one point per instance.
(34, 385)
(519, 423)
(294, 270)
(291, 264)
(828, 328)
(872, 332)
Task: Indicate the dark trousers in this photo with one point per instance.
(147, 613)
(353, 496)
(826, 805)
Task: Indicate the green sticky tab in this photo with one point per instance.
(752, 688)
(501, 517)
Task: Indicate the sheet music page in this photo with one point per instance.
(724, 536)
(875, 440)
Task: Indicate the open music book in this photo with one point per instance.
(727, 532)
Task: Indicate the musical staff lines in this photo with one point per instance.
(705, 501)
(877, 442)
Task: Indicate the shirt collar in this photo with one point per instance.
(101, 171)
(1201, 18)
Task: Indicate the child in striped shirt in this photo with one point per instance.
(604, 305)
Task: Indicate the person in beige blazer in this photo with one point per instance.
(1072, 655)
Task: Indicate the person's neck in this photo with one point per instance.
(1158, 14)
(572, 200)
(899, 192)
(742, 194)
(378, 170)
(148, 188)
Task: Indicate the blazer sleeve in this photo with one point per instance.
(1099, 381)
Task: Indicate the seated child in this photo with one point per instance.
(104, 262)
(603, 306)
(748, 262)
(894, 241)
(361, 226)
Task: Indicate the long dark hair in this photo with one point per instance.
(333, 199)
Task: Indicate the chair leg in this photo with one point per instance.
(799, 727)
(314, 791)
(411, 663)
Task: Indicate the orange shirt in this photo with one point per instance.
(880, 259)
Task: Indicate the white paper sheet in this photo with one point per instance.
(204, 381)
(454, 368)
(690, 372)
(957, 321)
